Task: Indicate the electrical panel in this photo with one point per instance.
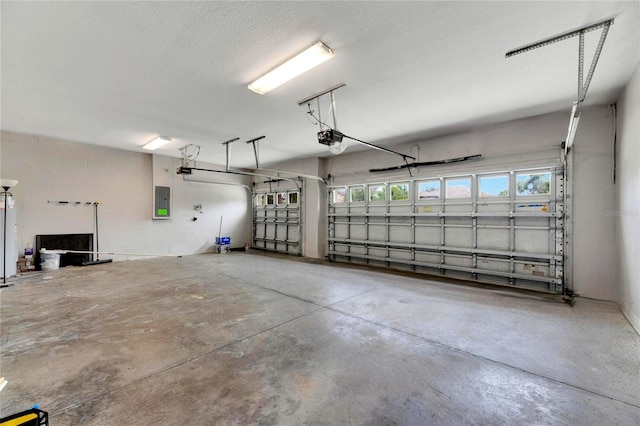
(163, 173)
(162, 202)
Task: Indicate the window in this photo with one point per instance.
(357, 194)
(494, 186)
(377, 192)
(260, 200)
(429, 190)
(293, 198)
(270, 199)
(533, 183)
(399, 191)
(458, 188)
(282, 198)
(340, 195)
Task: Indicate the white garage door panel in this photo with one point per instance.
(532, 241)
(377, 252)
(501, 227)
(276, 220)
(377, 232)
(457, 237)
(458, 260)
(428, 235)
(358, 232)
(484, 207)
(400, 233)
(494, 265)
(401, 254)
(493, 239)
(270, 232)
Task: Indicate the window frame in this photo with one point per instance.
(429, 199)
(490, 176)
(458, 178)
(407, 186)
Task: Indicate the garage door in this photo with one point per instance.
(502, 227)
(277, 220)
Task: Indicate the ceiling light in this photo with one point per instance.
(313, 56)
(157, 143)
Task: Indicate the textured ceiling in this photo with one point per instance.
(119, 73)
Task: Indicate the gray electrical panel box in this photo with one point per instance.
(162, 202)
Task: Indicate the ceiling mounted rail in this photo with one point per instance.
(301, 175)
(560, 37)
(329, 135)
(189, 170)
(380, 148)
(583, 84)
(319, 94)
(186, 170)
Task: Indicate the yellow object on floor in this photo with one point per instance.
(22, 420)
(31, 417)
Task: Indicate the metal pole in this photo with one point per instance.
(601, 24)
(97, 233)
(255, 149)
(4, 249)
(318, 95)
(333, 110)
(380, 148)
(232, 172)
(580, 66)
(226, 144)
(594, 61)
(114, 253)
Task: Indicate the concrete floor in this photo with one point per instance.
(245, 338)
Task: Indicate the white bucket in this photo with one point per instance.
(49, 261)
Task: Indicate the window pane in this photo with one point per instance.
(260, 200)
(377, 192)
(293, 198)
(357, 194)
(494, 186)
(429, 190)
(340, 195)
(282, 198)
(533, 184)
(400, 191)
(459, 188)
(270, 199)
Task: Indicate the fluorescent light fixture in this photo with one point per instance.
(313, 56)
(573, 127)
(157, 143)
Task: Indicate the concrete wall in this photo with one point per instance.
(595, 272)
(626, 214)
(519, 144)
(121, 181)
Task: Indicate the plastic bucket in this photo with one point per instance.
(49, 261)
